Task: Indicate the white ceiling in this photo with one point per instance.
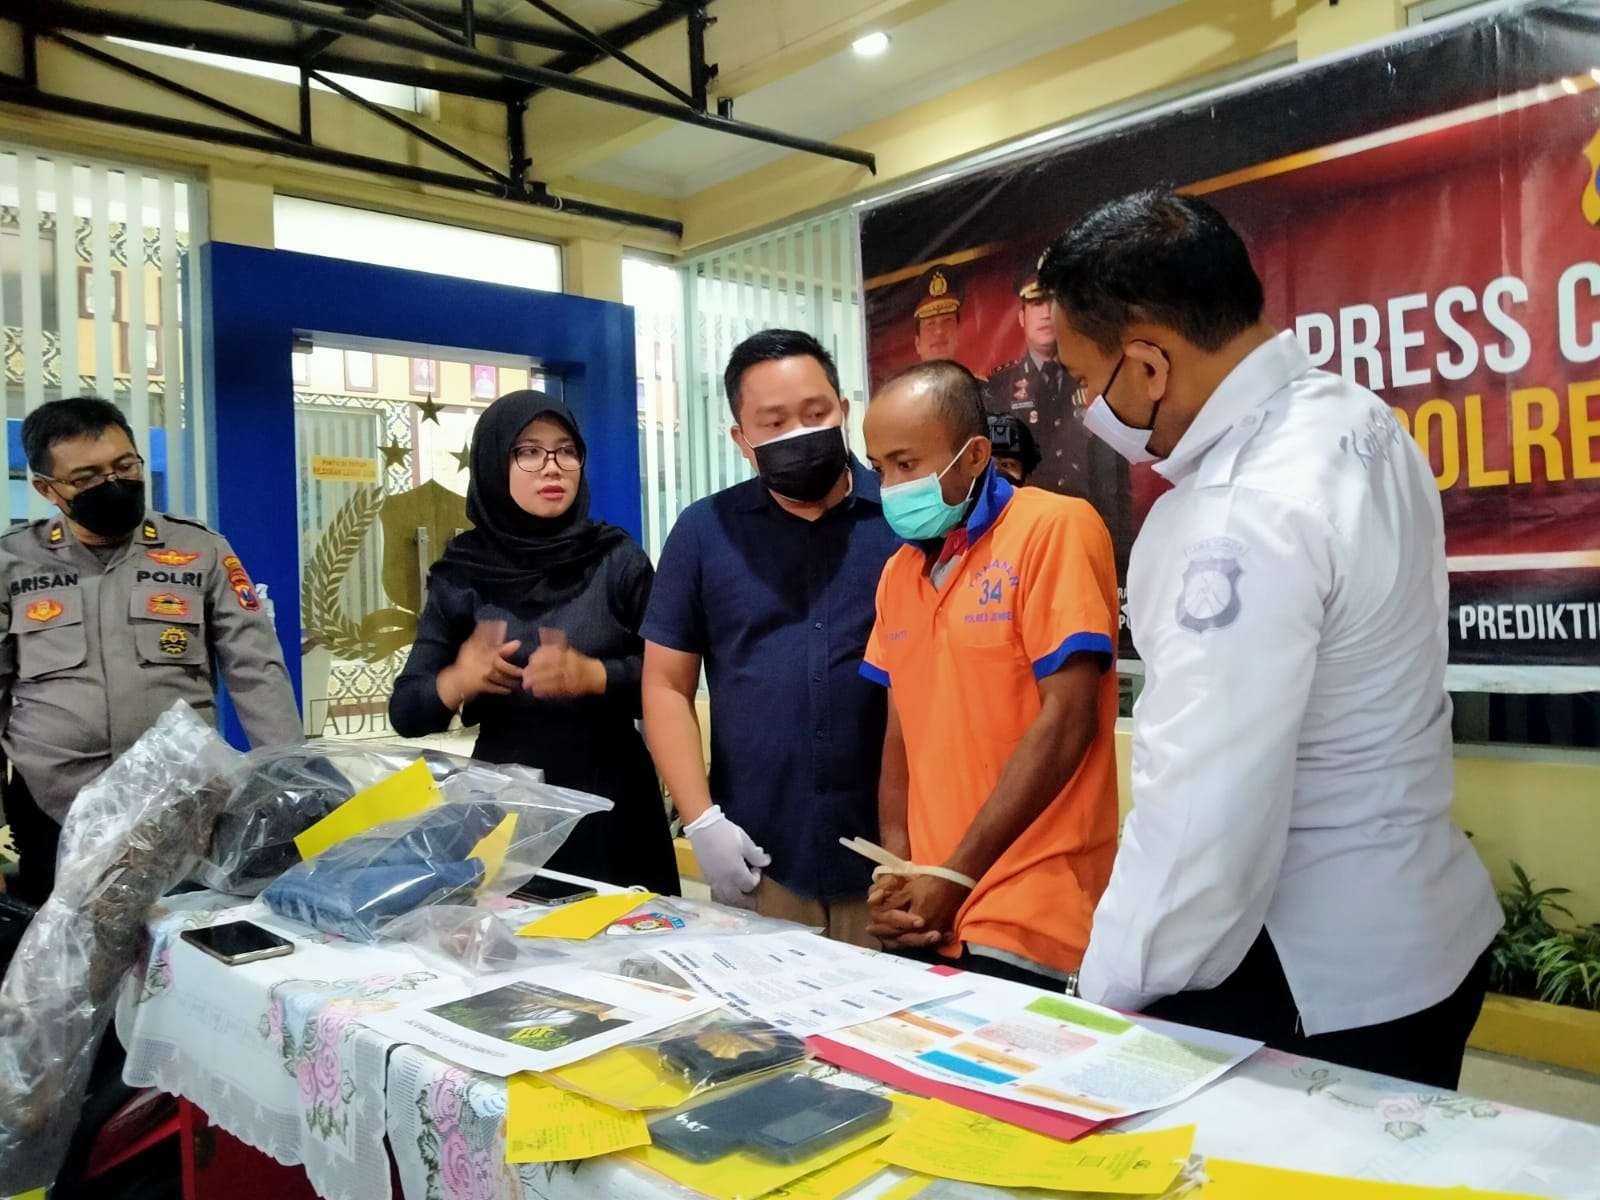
(954, 44)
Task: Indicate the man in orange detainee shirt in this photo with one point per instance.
(996, 636)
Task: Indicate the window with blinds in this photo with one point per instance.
(688, 319)
(97, 278)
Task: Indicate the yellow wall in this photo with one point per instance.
(1535, 807)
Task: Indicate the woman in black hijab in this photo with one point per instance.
(531, 632)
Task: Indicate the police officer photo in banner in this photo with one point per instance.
(1439, 246)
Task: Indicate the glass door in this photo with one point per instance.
(382, 442)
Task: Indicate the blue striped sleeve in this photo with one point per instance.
(1078, 643)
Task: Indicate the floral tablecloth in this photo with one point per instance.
(1277, 1109)
(273, 1052)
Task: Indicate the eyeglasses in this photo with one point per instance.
(127, 469)
(533, 459)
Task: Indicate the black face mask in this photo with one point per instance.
(110, 509)
(805, 466)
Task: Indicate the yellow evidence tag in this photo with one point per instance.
(583, 919)
(404, 794)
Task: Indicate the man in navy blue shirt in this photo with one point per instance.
(771, 584)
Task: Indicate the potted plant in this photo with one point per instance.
(1546, 979)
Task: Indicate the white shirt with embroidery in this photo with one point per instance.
(1292, 747)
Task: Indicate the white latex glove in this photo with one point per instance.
(729, 860)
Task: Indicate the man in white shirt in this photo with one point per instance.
(1289, 871)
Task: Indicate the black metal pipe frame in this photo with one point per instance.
(169, 85)
(15, 91)
(452, 52)
(610, 51)
(422, 135)
(702, 73)
(485, 27)
(395, 8)
(77, 19)
(652, 20)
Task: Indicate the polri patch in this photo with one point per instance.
(173, 641)
(43, 611)
(167, 604)
(172, 558)
(1209, 596)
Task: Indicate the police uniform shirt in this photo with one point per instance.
(1292, 749)
(96, 649)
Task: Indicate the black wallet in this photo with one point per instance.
(728, 1050)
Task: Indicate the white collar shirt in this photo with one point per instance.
(1292, 749)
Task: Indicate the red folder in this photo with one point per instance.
(1028, 1116)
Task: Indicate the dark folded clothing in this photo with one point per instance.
(356, 902)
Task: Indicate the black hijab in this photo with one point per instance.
(509, 554)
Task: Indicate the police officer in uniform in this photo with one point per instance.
(1037, 389)
(111, 614)
(938, 313)
(1289, 871)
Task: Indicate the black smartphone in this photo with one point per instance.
(238, 942)
(812, 1130)
(542, 890)
(784, 1119)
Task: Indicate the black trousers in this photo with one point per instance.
(982, 964)
(1255, 1002)
(36, 836)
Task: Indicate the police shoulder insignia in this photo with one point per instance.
(239, 580)
(44, 610)
(56, 535)
(172, 558)
(173, 641)
(151, 533)
(1209, 597)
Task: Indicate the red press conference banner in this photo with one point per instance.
(1440, 246)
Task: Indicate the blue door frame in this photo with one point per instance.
(257, 299)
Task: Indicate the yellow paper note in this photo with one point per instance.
(743, 1176)
(546, 1124)
(580, 921)
(403, 794)
(1246, 1181)
(953, 1143)
(625, 1077)
(834, 1181)
(492, 848)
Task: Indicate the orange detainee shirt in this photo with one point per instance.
(1035, 584)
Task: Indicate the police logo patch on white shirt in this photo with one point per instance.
(1209, 598)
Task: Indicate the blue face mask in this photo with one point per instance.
(917, 510)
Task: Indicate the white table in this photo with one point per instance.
(272, 1052)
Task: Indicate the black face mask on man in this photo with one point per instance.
(111, 509)
(803, 465)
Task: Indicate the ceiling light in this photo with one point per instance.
(871, 45)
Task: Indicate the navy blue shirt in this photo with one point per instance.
(779, 609)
